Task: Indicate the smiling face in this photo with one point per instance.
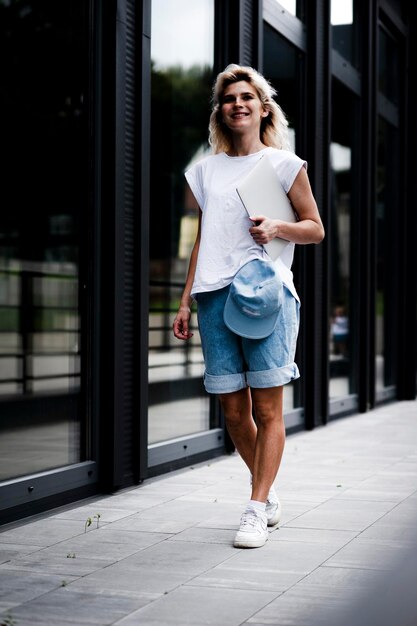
(241, 107)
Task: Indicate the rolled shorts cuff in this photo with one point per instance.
(226, 383)
(273, 378)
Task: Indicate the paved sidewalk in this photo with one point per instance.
(162, 553)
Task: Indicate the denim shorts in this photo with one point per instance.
(233, 362)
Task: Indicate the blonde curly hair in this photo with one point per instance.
(274, 127)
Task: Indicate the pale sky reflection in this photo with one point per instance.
(182, 33)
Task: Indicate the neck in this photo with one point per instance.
(244, 145)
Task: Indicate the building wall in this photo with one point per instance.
(104, 106)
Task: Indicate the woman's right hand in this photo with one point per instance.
(181, 323)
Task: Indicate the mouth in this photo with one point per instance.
(239, 115)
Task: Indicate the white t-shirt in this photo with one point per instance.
(226, 243)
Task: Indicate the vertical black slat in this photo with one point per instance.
(367, 216)
(96, 111)
(124, 327)
(142, 257)
(315, 288)
(106, 260)
(238, 33)
(407, 344)
(250, 32)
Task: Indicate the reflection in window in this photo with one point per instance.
(389, 67)
(387, 201)
(344, 20)
(182, 51)
(43, 159)
(289, 5)
(340, 323)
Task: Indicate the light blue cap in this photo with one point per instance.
(254, 300)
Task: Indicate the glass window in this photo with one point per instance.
(342, 192)
(182, 51)
(289, 5)
(282, 66)
(389, 67)
(386, 210)
(44, 165)
(344, 21)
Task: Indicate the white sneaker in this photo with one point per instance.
(273, 511)
(253, 530)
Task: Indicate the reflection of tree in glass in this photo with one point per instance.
(179, 121)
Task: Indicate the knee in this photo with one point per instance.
(235, 416)
(267, 413)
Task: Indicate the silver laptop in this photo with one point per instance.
(261, 193)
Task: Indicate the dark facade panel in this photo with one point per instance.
(117, 394)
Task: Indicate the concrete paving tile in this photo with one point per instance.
(294, 610)
(65, 606)
(278, 555)
(382, 494)
(9, 551)
(141, 501)
(292, 510)
(230, 487)
(43, 532)
(91, 551)
(186, 558)
(58, 564)
(107, 544)
(113, 579)
(175, 510)
(148, 524)
(402, 515)
(340, 514)
(194, 606)
(17, 587)
(107, 514)
(273, 581)
(335, 538)
(276, 567)
(367, 554)
(158, 569)
(227, 516)
(311, 491)
(402, 480)
(381, 532)
(349, 496)
(206, 535)
(339, 581)
(323, 598)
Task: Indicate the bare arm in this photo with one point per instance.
(309, 228)
(182, 319)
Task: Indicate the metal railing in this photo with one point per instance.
(39, 331)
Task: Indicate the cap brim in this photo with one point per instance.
(250, 328)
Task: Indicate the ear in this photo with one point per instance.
(264, 113)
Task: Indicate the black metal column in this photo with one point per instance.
(238, 33)
(315, 306)
(119, 216)
(407, 344)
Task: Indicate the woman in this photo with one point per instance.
(248, 375)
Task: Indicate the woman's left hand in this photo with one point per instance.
(264, 229)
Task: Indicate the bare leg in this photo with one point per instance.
(270, 439)
(237, 408)
(260, 446)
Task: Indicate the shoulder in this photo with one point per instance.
(285, 157)
(203, 163)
